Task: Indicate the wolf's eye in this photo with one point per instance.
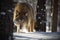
(26, 14)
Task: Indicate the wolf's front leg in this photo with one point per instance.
(29, 25)
(18, 28)
(24, 27)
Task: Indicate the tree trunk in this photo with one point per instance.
(54, 4)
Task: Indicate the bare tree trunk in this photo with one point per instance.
(54, 4)
(6, 22)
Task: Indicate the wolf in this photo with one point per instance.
(23, 16)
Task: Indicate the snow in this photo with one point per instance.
(36, 35)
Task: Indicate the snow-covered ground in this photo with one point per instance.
(36, 35)
(48, 35)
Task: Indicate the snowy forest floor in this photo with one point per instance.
(37, 36)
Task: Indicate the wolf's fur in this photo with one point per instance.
(24, 10)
